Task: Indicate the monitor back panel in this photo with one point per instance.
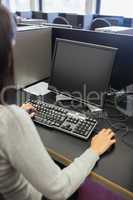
(32, 56)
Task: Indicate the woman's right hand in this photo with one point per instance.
(103, 141)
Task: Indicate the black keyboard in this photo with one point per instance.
(65, 120)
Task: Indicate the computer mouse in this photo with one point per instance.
(111, 148)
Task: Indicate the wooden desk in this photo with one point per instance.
(114, 170)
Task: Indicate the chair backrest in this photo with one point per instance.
(39, 15)
(61, 20)
(91, 190)
(99, 23)
(113, 21)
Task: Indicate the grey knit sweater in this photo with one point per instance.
(26, 170)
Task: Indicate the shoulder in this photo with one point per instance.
(15, 124)
(17, 112)
(10, 122)
(16, 129)
(10, 112)
(12, 115)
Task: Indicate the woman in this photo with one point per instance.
(26, 170)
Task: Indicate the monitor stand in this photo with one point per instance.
(63, 98)
(95, 109)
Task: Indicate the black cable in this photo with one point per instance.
(127, 142)
(118, 126)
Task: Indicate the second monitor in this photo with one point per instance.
(82, 70)
(32, 55)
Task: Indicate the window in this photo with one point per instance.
(117, 7)
(21, 5)
(69, 6)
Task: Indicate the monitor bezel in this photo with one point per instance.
(57, 91)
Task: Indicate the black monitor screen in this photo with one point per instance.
(82, 70)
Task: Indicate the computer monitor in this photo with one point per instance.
(82, 70)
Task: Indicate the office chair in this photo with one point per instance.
(61, 20)
(113, 21)
(99, 23)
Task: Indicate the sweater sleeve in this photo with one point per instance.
(28, 156)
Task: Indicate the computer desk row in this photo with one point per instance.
(114, 170)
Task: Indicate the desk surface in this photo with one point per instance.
(116, 29)
(114, 169)
(24, 27)
(113, 29)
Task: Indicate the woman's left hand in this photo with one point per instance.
(30, 109)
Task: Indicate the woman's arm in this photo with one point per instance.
(28, 155)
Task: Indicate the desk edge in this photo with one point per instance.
(95, 177)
